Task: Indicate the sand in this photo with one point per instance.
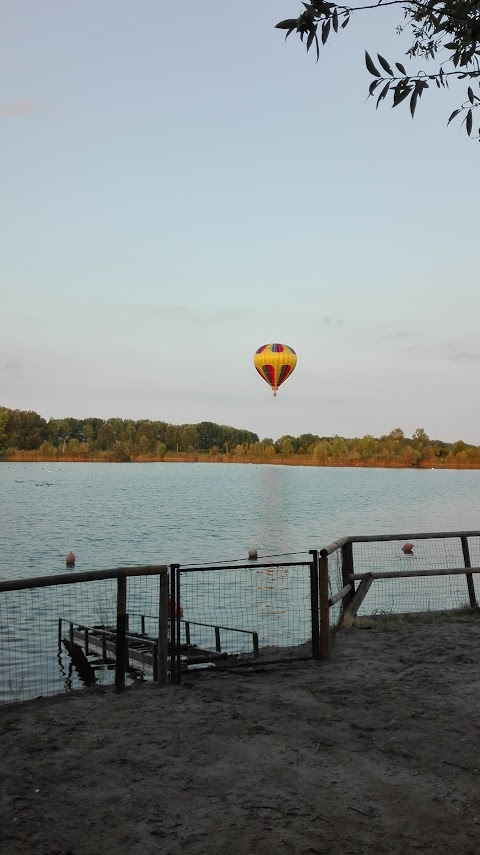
(375, 751)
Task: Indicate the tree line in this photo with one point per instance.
(25, 435)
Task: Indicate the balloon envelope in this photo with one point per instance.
(275, 363)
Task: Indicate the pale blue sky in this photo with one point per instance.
(179, 186)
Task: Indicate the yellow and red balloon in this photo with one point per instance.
(275, 363)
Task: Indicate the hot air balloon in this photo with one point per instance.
(275, 362)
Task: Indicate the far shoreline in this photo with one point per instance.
(304, 460)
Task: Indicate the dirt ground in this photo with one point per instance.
(376, 751)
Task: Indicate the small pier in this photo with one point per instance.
(141, 654)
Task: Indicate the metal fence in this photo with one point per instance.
(243, 614)
(154, 623)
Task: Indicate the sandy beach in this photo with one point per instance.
(375, 751)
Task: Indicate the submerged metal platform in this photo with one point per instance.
(142, 650)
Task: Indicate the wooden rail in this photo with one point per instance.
(73, 578)
(412, 574)
(352, 597)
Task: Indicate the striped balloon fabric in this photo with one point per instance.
(275, 363)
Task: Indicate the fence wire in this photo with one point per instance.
(335, 584)
(421, 593)
(226, 609)
(35, 660)
(274, 602)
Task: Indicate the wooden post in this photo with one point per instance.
(104, 647)
(163, 630)
(59, 634)
(324, 608)
(468, 563)
(142, 617)
(255, 645)
(347, 571)
(360, 595)
(314, 602)
(121, 640)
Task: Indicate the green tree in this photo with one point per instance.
(160, 450)
(24, 430)
(287, 447)
(445, 33)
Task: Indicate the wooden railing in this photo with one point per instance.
(352, 596)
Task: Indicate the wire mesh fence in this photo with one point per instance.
(59, 637)
(415, 567)
(248, 611)
(335, 584)
(64, 633)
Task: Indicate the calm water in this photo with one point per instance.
(133, 514)
(113, 515)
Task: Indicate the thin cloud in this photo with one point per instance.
(231, 314)
(18, 109)
(463, 356)
(328, 321)
(155, 309)
(13, 367)
(399, 334)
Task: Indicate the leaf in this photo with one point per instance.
(335, 20)
(325, 31)
(346, 21)
(383, 93)
(471, 96)
(455, 113)
(413, 101)
(385, 65)
(373, 86)
(401, 68)
(310, 39)
(469, 121)
(371, 67)
(286, 25)
(401, 92)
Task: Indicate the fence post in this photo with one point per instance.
(468, 563)
(121, 640)
(174, 616)
(347, 570)
(314, 595)
(324, 606)
(163, 630)
(177, 624)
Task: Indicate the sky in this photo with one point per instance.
(179, 186)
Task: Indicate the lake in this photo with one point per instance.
(131, 514)
(114, 515)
